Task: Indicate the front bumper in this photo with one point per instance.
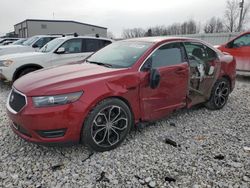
(50, 125)
(5, 74)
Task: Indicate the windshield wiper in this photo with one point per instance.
(100, 63)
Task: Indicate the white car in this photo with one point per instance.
(57, 52)
(32, 44)
(4, 40)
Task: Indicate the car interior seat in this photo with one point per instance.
(197, 52)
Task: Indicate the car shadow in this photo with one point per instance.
(244, 79)
(5, 85)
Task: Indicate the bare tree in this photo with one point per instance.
(156, 31)
(214, 25)
(133, 33)
(189, 27)
(232, 15)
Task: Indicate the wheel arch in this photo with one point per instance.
(123, 99)
(99, 101)
(229, 79)
(19, 69)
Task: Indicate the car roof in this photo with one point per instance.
(86, 37)
(46, 36)
(160, 39)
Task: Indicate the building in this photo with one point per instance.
(31, 27)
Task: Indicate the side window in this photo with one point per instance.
(104, 43)
(91, 45)
(199, 53)
(72, 46)
(242, 41)
(169, 54)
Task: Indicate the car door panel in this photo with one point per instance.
(169, 95)
(171, 92)
(242, 56)
(202, 60)
(240, 49)
(73, 53)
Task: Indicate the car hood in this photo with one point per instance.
(19, 56)
(11, 46)
(62, 79)
(15, 49)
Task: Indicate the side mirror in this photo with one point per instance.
(60, 50)
(155, 78)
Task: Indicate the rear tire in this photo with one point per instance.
(219, 94)
(107, 125)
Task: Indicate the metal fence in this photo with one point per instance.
(214, 38)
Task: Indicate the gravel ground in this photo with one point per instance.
(209, 153)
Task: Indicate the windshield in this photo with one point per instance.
(121, 54)
(19, 42)
(30, 41)
(52, 45)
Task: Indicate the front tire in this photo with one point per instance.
(107, 125)
(219, 94)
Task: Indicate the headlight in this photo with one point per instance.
(56, 100)
(5, 63)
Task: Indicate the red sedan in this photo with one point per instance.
(96, 102)
(239, 47)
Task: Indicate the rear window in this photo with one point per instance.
(93, 45)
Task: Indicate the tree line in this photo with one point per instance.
(235, 18)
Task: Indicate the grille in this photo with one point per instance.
(16, 101)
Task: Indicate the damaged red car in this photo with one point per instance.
(98, 101)
(239, 47)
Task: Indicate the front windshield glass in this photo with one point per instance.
(19, 42)
(30, 41)
(51, 45)
(120, 54)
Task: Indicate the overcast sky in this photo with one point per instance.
(116, 15)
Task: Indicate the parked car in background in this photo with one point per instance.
(99, 100)
(6, 43)
(57, 52)
(7, 40)
(239, 47)
(31, 45)
(20, 41)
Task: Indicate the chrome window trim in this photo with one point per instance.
(8, 101)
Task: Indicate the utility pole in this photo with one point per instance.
(241, 14)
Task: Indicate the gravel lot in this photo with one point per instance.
(210, 153)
